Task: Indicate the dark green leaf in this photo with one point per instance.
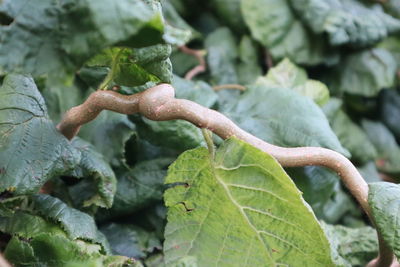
(139, 187)
(94, 166)
(331, 203)
(353, 246)
(384, 201)
(130, 240)
(32, 151)
(59, 37)
(352, 137)
(221, 55)
(229, 12)
(346, 21)
(388, 150)
(369, 172)
(77, 224)
(390, 111)
(283, 117)
(109, 133)
(135, 67)
(274, 24)
(364, 73)
(181, 32)
(248, 69)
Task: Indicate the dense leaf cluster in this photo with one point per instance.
(320, 73)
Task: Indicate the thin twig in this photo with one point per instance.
(199, 55)
(159, 104)
(268, 59)
(229, 86)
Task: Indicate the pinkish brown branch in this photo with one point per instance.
(159, 104)
(199, 55)
(229, 86)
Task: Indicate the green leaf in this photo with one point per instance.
(346, 21)
(283, 117)
(384, 201)
(369, 172)
(364, 73)
(61, 98)
(178, 134)
(49, 37)
(352, 137)
(390, 111)
(248, 69)
(288, 75)
(331, 203)
(229, 12)
(32, 150)
(239, 209)
(135, 67)
(27, 226)
(197, 91)
(95, 167)
(392, 44)
(130, 240)
(274, 24)
(181, 32)
(388, 150)
(353, 246)
(108, 133)
(77, 224)
(142, 185)
(221, 55)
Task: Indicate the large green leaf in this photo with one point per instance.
(390, 111)
(32, 151)
(221, 55)
(237, 209)
(274, 24)
(229, 12)
(183, 32)
(353, 246)
(139, 187)
(350, 135)
(248, 68)
(331, 203)
(346, 21)
(283, 117)
(46, 232)
(135, 67)
(94, 166)
(288, 75)
(364, 73)
(77, 224)
(108, 133)
(388, 150)
(50, 36)
(130, 240)
(384, 201)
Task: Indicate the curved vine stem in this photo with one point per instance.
(199, 55)
(159, 104)
(4, 262)
(229, 86)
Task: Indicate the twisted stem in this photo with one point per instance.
(199, 55)
(159, 104)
